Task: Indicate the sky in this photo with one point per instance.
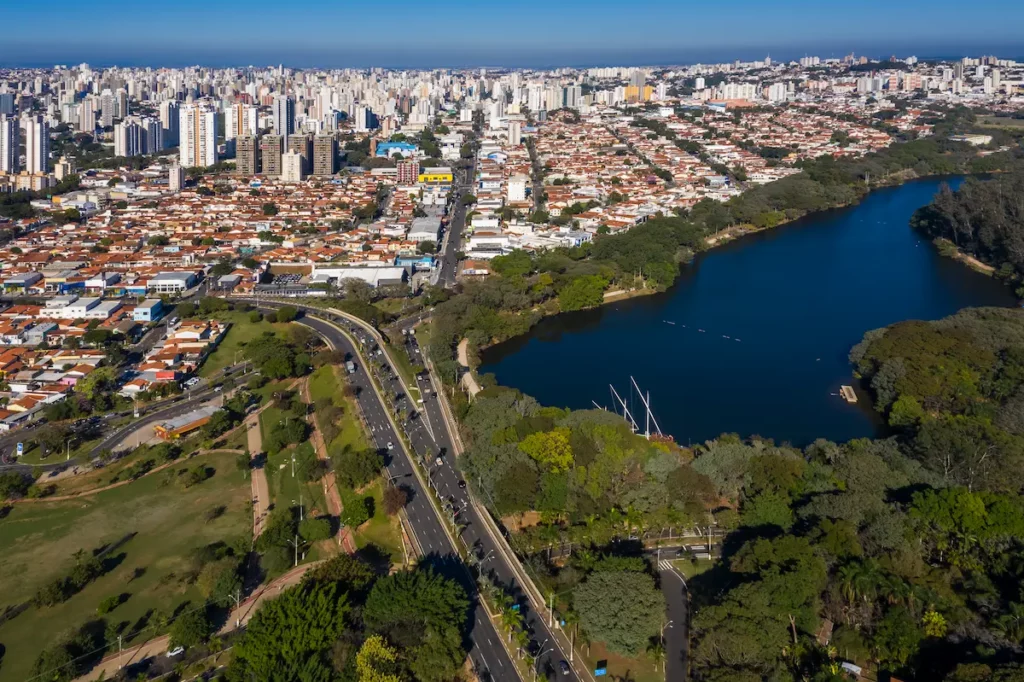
(469, 33)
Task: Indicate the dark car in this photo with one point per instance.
(462, 484)
(564, 667)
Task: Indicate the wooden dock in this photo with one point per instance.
(848, 394)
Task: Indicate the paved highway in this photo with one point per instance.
(488, 653)
(447, 480)
(453, 237)
(430, 437)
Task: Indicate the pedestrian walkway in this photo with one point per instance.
(260, 489)
(330, 486)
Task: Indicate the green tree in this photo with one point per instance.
(289, 637)
(191, 628)
(897, 637)
(551, 450)
(622, 609)
(583, 292)
(315, 529)
(354, 468)
(287, 313)
(219, 581)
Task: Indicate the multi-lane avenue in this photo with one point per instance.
(429, 437)
(490, 658)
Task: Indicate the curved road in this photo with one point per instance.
(489, 655)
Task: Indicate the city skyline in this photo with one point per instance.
(531, 34)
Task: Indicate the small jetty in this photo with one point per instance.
(848, 394)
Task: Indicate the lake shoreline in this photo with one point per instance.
(715, 242)
(778, 312)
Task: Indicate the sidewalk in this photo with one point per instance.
(260, 490)
(330, 485)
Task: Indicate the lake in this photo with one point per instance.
(755, 335)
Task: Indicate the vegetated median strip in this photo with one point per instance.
(434, 503)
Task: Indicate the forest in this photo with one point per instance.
(983, 218)
(910, 560)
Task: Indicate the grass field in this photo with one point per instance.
(164, 524)
(639, 669)
(1001, 122)
(323, 384)
(241, 332)
(79, 451)
(695, 567)
(381, 530)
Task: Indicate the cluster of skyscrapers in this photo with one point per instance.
(34, 131)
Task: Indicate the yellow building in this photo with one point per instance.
(635, 94)
(436, 176)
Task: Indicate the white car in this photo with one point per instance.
(391, 446)
(176, 651)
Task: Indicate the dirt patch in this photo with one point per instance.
(518, 522)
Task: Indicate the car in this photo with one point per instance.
(462, 484)
(564, 667)
(176, 651)
(438, 461)
(391, 445)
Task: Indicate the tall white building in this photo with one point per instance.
(291, 167)
(9, 141)
(284, 117)
(87, 115)
(515, 136)
(37, 143)
(176, 178)
(197, 130)
(107, 108)
(240, 119)
(128, 138)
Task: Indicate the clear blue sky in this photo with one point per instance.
(488, 32)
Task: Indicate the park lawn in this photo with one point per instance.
(691, 568)
(1000, 122)
(285, 489)
(267, 390)
(381, 530)
(323, 384)
(38, 540)
(241, 332)
(639, 669)
(79, 452)
(99, 478)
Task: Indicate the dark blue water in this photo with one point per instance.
(792, 302)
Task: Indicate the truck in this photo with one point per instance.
(350, 366)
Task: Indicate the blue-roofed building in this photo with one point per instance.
(417, 263)
(389, 149)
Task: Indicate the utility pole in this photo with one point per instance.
(120, 664)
